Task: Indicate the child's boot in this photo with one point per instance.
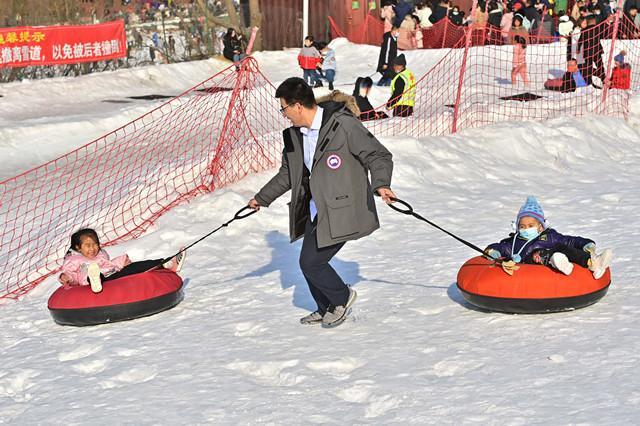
(176, 262)
(560, 261)
(598, 264)
(93, 273)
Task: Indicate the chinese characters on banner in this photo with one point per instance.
(29, 46)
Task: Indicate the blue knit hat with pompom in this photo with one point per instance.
(531, 208)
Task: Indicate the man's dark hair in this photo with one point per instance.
(296, 90)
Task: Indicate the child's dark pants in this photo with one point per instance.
(577, 256)
(134, 268)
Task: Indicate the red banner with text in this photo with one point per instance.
(29, 46)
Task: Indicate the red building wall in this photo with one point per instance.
(282, 19)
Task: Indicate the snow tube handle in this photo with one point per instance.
(238, 215)
(409, 209)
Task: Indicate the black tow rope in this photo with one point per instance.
(237, 216)
(409, 211)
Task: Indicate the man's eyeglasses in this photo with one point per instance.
(284, 108)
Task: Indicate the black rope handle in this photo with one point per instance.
(409, 211)
(238, 216)
(404, 203)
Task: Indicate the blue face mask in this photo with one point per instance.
(529, 233)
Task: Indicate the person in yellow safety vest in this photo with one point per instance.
(403, 89)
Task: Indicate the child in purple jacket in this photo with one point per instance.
(534, 242)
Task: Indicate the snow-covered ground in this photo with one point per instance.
(412, 352)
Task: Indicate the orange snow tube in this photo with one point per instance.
(533, 289)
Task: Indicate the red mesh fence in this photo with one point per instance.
(442, 34)
(475, 83)
(214, 134)
(229, 126)
(370, 31)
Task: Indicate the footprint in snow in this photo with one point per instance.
(363, 393)
(132, 376)
(340, 368)
(249, 329)
(448, 368)
(15, 385)
(428, 311)
(79, 352)
(91, 367)
(270, 373)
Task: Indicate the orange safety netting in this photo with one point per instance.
(215, 133)
(229, 126)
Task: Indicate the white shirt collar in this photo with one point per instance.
(316, 124)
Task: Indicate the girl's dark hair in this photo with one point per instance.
(520, 40)
(76, 237)
(362, 82)
(231, 32)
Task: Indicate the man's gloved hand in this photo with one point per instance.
(590, 248)
(492, 254)
(509, 267)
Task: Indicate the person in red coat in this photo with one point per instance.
(621, 75)
(309, 59)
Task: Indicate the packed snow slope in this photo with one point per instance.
(43, 119)
(412, 352)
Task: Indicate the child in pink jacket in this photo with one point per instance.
(87, 263)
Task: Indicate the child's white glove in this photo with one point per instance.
(590, 248)
(492, 254)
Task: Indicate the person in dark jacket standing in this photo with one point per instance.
(388, 53)
(402, 9)
(592, 50)
(455, 16)
(533, 16)
(439, 12)
(328, 155)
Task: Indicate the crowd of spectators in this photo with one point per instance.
(504, 19)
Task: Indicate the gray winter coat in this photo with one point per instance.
(345, 154)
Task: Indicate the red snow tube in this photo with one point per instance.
(125, 298)
(533, 289)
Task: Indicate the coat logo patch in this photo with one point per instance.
(334, 162)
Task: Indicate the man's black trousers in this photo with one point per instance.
(326, 286)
